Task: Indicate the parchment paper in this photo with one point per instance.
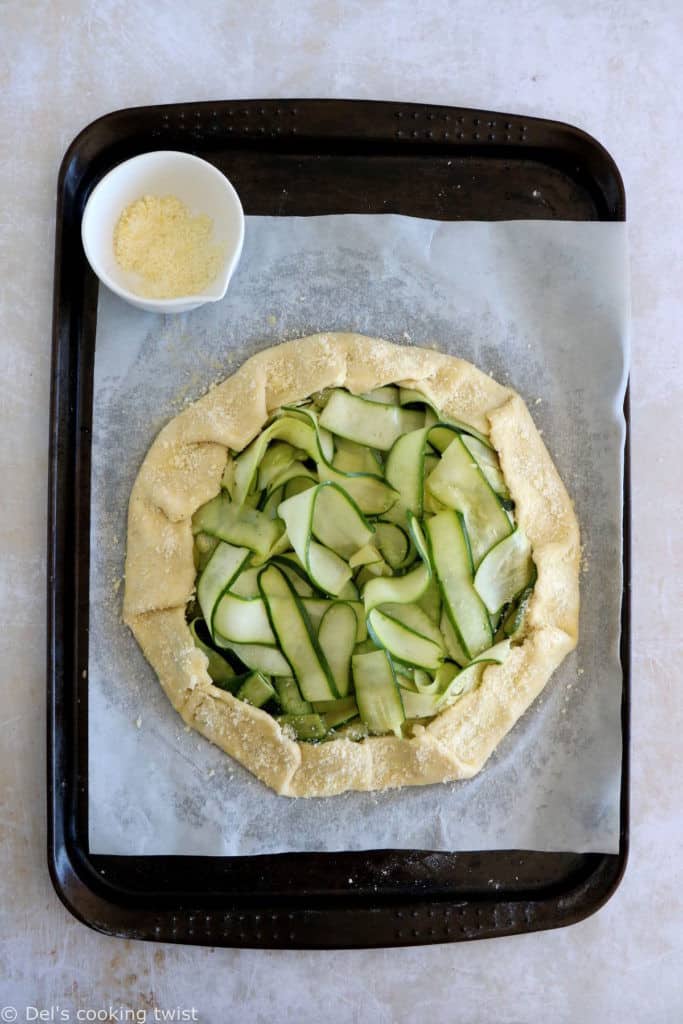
(540, 305)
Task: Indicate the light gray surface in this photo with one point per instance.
(535, 304)
(613, 67)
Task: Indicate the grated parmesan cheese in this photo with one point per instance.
(157, 238)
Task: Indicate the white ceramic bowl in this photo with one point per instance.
(198, 184)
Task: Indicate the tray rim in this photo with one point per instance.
(562, 134)
(74, 878)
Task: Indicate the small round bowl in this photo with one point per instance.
(198, 184)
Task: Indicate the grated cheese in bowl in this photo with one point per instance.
(171, 251)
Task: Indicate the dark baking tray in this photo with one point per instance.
(299, 157)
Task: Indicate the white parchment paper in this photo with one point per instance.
(542, 306)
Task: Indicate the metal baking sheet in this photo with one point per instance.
(298, 158)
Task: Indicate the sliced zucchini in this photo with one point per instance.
(370, 491)
(405, 469)
(430, 602)
(228, 478)
(452, 640)
(290, 428)
(246, 584)
(394, 544)
(459, 483)
(405, 681)
(269, 501)
(387, 395)
(326, 569)
(337, 522)
(432, 504)
(327, 512)
(316, 608)
(366, 646)
(259, 658)
(445, 675)
(293, 479)
(377, 693)
(396, 589)
(438, 509)
(289, 697)
(305, 727)
(220, 670)
(204, 547)
(309, 416)
(237, 524)
(410, 397)
(412, 616)
(440, 436)
(296, 636)
(336, 712)
(465, 609)
(373, 571)
(295, 573)
(420, 705)
(367, 555)
(419, 539)
(374, 424)
(297, 484)
(337, 638)
(497, 653)
(424, 683)
(373, 495)
(349, 592)
(256, 690)
(513, 624)
(277, 458)
(469, 677)
(221, 570)
(431, 462)
(242, 620)
(505, 571)
(402, 642)
(487, 460)
(350, 457)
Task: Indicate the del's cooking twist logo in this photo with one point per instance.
(9, 1014)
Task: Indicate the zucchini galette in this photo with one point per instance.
(352, 565)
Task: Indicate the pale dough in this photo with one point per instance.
(182, 471)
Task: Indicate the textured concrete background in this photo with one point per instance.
(612, 67)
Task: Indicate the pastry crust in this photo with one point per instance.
(183, 469)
